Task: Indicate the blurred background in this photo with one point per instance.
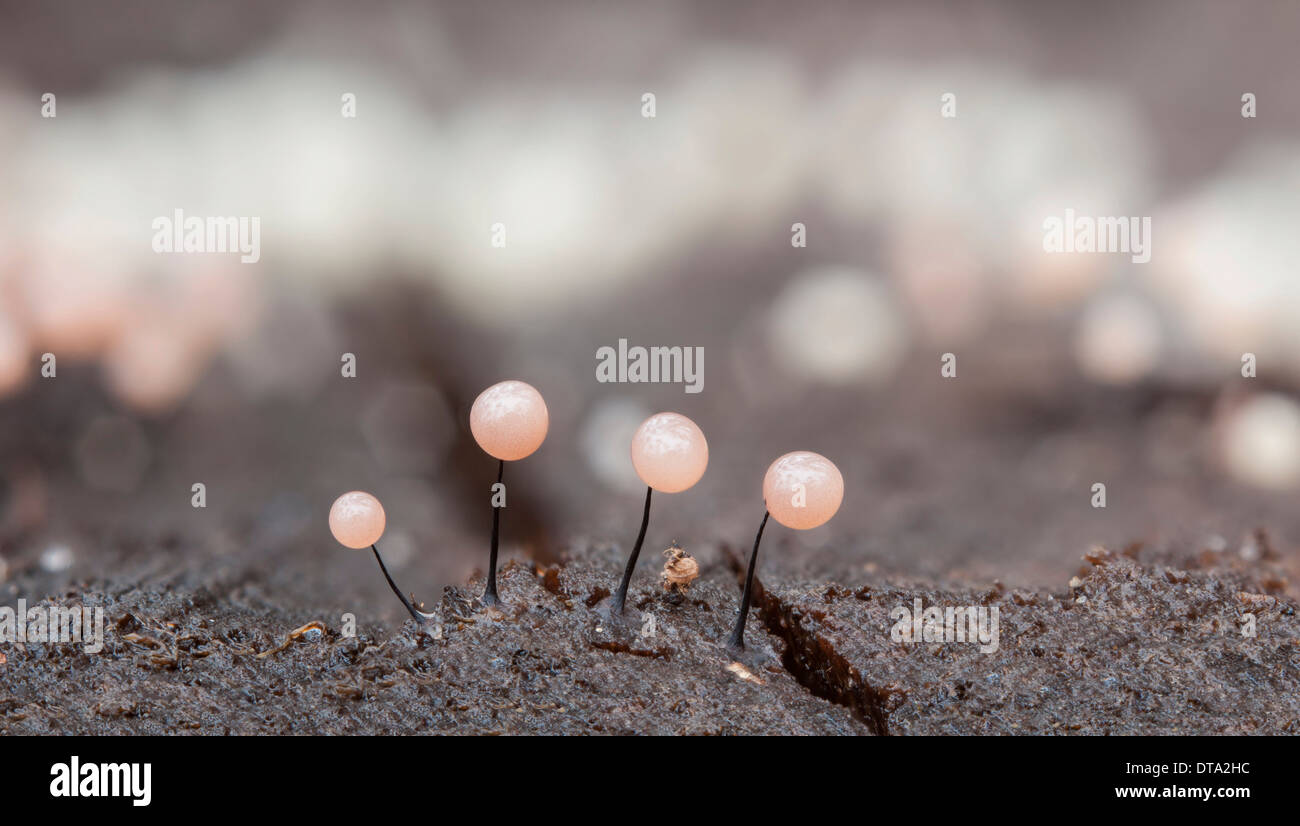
(924, 236)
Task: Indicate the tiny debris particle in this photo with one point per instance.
(1256, 599)
(312, 631)
(142, 639)
(1075, 582)
(3, 658)
(744, 674)
(680, 570)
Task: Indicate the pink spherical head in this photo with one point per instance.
(509, 420)
(669, 452)
(357, 519)
(803, 490)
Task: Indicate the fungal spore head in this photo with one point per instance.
(803, 490)
(357, 519)
(669, 452)
(509, 420)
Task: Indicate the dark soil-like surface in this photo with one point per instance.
(1135, 645)
(550, 661)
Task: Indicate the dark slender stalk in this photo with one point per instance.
(621, 596)
(737, 638)
(416, 614)
(490, 593)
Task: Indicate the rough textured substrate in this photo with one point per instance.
(1136, 644)
(550, 662)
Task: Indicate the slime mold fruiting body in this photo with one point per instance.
(801, 490)
(357, 521)
(509, 421)
(670, 454)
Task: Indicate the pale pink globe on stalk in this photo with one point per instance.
(509, 420)
(803, 490)
(357, 520)
(669, 452)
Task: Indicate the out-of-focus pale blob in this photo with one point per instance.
(553, 172)
(1119, 340)
(838, 326)
(1053, 148)
(221, 302)
(1064, 145)
(740, 151)
(1042, 283)
(887, 151)
(57, 558)
(1016, 152)
(863, 164)
(14, 357)
(669, 452)
(294, 161)
(1225, 305)
(610, 425)
(1046, 283)
(154, 364)
(509, 420)
(530, 203)
(74, 303)
(1260, 441)
(554, 165)
(803, 490)
(113, 454)
(357, 519)
(942, 279)
(1227, 257)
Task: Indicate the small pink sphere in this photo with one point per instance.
(803, 490)
(509, 420)
(669, 452)
(357, 519)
